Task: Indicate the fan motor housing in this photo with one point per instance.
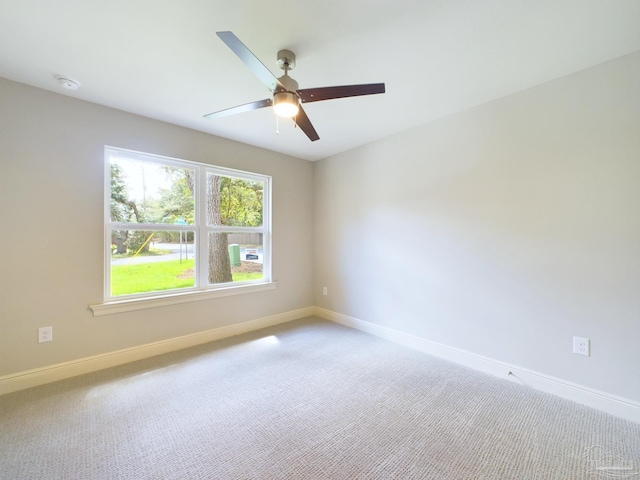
(289, 83)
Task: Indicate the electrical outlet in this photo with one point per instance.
(325, 292)
(581, 346)
(45, 334)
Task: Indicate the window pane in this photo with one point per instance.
(145, 192)
(235, 257)
(234, 202)
(145, 261)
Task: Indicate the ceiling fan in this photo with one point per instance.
(286, 96)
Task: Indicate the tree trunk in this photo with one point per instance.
(219, 262)
(117, 239)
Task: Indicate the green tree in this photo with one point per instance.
(240, 202)
(177, 201)
(123, 209)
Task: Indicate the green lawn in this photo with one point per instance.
(242, 277)
(156, 276)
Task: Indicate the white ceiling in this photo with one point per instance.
(162, 59)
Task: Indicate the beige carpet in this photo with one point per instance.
(305, 400)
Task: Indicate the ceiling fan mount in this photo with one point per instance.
(287, 97)
(286, 60)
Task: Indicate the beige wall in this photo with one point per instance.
(51, 243)
(504, 230)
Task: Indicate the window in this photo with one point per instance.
(175, 226)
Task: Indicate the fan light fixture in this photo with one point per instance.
(285, 104)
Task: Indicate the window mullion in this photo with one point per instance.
(202, 267)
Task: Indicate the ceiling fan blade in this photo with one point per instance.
(327, 93)
(247, 107)
(305, 124)
(267, 78)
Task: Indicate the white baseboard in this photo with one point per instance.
(60, 371)
(614, 405)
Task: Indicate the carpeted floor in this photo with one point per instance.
(305, 400)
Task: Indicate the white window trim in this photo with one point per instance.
(177, 297)
(201, 291)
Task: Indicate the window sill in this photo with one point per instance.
(129, 305)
